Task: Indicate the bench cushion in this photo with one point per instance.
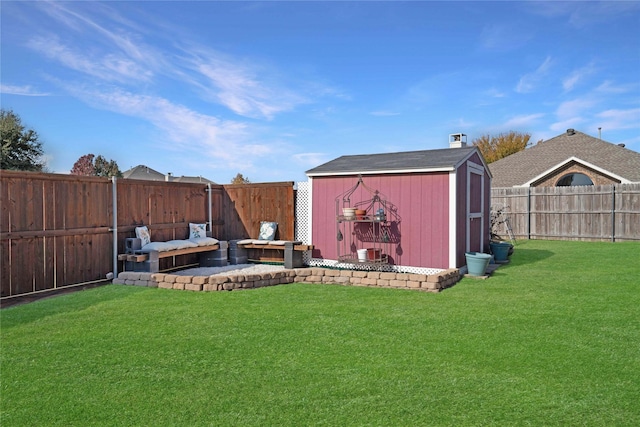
(156, 246)
(205, 241)
(171, 245)
(181, 244)
(262, 242)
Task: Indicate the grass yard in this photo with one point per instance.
(553, 338)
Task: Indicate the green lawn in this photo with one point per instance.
(553, 338)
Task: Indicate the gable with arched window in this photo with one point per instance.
(574, 179)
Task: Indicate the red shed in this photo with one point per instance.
(417, 210)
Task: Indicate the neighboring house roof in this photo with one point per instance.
(446, 159)
(191, 179)
(146, 173)
(532, 164)
(143, 172)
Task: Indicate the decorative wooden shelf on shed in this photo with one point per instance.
(377, 230)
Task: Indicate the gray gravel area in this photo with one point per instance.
(230, 270)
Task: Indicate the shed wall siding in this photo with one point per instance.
(422, 201)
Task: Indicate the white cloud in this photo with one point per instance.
(112, 50)
(115, 51)
(583, 14)
(243, 88)
(310, 159)
(495, 93)
(116, 31)
(184, 129)
(522, 121)
(20, 90)
(619, 119)
(608, 87)
(576, 107)
(571, 114)
(109, 67)
(577, 76)
(562, 125)
(529, 81)
(592, 13)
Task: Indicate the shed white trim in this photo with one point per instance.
(453, 220)
(384, 171)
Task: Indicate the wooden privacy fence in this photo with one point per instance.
(58, 231)
(607, 212)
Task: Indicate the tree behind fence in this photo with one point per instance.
(607, 212)
(56, 230)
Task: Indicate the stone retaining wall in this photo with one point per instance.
(423, 282)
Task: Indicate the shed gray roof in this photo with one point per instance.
(407, 161)
(520, 168)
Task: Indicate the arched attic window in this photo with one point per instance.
(574, 179)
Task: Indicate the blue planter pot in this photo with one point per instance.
(477, 263)
(500, 250)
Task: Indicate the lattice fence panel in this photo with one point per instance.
(303, 216)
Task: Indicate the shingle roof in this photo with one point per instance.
(408, 161)
(520, 168)
(143, 172)
(192, 179)
(146, 173)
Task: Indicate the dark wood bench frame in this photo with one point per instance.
(136, 260)
(290, 253)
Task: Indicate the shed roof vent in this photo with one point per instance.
(571, 131)
(457, 140)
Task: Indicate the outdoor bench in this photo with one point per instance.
(288, 252)
(212, 253)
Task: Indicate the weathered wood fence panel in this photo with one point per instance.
(608, 212)
(250, 204)
(56, 231)
(166, 208)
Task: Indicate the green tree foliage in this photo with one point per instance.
(107, 168)
(497, 147)
(21, 149)
(90, 165)
(239, 179)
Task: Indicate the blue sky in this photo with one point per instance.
(272, 89)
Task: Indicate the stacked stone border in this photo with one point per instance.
(422, 282)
